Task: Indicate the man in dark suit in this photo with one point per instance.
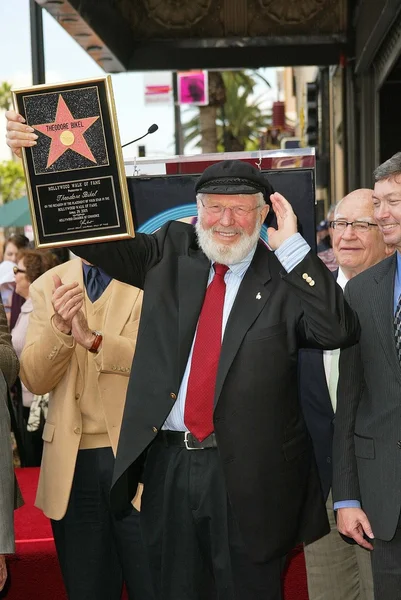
(230, 482)
(337, 570)
(232, 513)
(366, 452)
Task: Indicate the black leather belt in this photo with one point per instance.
(185, 439)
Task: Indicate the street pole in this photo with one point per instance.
(179, 146)
(37, 45)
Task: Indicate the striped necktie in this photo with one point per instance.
(397, 329)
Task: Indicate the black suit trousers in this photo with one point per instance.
(98, 551)
(192, 537)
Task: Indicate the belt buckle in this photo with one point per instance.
(186, 442)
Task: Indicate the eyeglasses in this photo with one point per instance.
(238, 211)
(17, 270)
(356, 225)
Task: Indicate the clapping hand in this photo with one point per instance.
(67, 300)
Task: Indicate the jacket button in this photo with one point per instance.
(77, 430)
(154, 429)
(305, 275)
(77, 396)
(173, 396)
(399, 444)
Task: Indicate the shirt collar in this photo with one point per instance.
(240, 268)
(399, 263)
(397, 283)
(341, 278)
(27, 307)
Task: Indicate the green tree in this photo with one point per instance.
(5, 96)
(238, 122)
(12, 181)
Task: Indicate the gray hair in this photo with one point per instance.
(390, 168)
(201, 197)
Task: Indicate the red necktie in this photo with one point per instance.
(199, 403)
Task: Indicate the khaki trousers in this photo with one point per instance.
(337, 570)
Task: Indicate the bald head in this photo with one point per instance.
(362, 198)
(357, 249)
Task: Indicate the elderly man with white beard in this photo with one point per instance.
(212, 422)
(212, 409)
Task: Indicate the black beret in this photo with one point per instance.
(233, 177)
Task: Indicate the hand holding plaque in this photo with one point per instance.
(74, 168)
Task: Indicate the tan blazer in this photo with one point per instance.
(51, 362)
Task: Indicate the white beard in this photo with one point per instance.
(222, 253)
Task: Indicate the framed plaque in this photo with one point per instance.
(75, 174)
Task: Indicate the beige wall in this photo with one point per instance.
(337, 139)
(296, 106)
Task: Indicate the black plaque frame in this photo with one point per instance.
(75, 174)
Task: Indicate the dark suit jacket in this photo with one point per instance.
(367, 438)
(318, 410)
(264, 446)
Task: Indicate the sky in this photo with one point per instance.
(65, 60)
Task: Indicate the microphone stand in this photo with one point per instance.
(151, 129)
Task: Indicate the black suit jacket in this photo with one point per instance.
(263, 443)
(367, 433)
(318, 410)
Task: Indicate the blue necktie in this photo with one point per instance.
(94, 284)
(397, 328)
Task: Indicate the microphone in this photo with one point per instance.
(151, 129)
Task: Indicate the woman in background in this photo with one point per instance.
(12, 302)
(13, 245)
(31, 264)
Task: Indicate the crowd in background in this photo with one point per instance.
(258, 357)
(22, 264)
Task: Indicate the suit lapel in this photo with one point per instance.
(76, 274)
(193, 272)
(382, 304)
(250, 301)
(120, 305)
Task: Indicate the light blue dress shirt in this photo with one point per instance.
(290, 253)
(397, 292)
(397, 281)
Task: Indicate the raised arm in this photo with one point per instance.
(126, 260)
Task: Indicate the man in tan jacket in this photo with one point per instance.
(79, 347)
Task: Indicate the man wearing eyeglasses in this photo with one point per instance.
(212, 421)
(229, 477)
(367, 438)
(337, 570)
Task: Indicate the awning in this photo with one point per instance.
(15, 213)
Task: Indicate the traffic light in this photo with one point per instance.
(312, 109)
